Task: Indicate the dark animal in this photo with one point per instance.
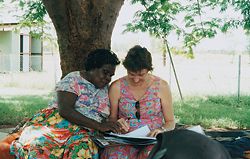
(186, 144)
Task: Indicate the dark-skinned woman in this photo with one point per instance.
(79, 111)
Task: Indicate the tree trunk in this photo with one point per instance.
(82, 26)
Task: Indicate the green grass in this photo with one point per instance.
(214, 112)
(14, 109)
(209, 112)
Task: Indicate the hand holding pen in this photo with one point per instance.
(124, 125)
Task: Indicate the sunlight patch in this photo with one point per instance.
(195, 105)
(223, 123)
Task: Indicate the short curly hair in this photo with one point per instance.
(100, 57)
(137, 59)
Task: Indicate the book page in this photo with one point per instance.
(140, 133)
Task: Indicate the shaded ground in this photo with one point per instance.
(4, 130)
(217, 133)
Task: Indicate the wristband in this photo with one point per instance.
(164, 129)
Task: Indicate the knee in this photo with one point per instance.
(5, 151)
(8, 139)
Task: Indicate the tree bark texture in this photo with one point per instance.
(82, 26)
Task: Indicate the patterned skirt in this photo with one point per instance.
(48, 135)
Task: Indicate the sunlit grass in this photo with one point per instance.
(14, 109)
(209, 112)
(214, 111)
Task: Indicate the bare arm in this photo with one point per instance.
(66, 102)
(114, 96)
(167, 106)
(167, 109)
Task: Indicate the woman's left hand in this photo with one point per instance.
(155, 132)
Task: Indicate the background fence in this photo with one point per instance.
(206, 74)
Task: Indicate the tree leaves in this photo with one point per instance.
(161, 17)
(188, 19)
(36, 11)
(156, 18)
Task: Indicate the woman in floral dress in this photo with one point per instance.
(79, 111)
(142, 99)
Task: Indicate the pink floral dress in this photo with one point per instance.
(48, 135)
(150, 114)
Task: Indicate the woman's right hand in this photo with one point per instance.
(110, 126)
(124, 126)
(119, 126)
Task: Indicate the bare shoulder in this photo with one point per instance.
(164, 88)
(163, 83)
(114, 90)
(115, 84)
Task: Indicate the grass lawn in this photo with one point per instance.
(14, 109)
(214, 112)
(209, 112)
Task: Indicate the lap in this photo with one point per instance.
(48, 135)
(126, 152)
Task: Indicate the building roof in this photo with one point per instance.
(7, 26)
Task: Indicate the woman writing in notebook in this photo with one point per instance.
(142, 99)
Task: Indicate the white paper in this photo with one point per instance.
(140, 133)
(197, 129)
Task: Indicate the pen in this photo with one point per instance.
(128, 119)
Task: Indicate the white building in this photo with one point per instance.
(19, 51)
